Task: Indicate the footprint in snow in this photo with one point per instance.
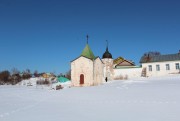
(13, 111)
(6, 113)
(118, 87)
(135, 101)
(174, 102)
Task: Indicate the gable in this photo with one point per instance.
(118, 60)
(125, 63)
(98, 58)
(80, 57)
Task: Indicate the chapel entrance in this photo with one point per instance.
(82, 79)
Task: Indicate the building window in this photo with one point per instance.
(167, 67)
(177, 66)
(157, 68)
(150, 67)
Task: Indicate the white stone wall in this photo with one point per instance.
(108, 68)
(127, 72)
(163, 71)
(80, 66)
(98, 71)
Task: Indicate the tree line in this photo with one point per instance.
(15, 76)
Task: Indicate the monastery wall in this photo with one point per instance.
(127, 73)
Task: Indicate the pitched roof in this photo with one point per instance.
(87, 52)
(160, 58)
(125, 63)
(118, 60)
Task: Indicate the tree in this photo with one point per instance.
(15, 78)
(60, 75)
(4, 77)
(15, 71)
(152, 53)
(68, 75)
(36, 73)
(26, 74)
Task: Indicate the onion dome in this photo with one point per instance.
(107, 54)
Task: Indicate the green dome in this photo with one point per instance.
(88, 53)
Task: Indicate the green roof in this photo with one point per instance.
(88, 53)
(62, 79)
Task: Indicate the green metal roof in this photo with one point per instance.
(62, 79)
(88, 53)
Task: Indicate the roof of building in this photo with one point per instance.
(160, 58)
(118, 60)
(125, 63)
(62, 79)
(87, 52)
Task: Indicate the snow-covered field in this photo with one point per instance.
(153, 99)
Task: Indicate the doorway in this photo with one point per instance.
(82, 79)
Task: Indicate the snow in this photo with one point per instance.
(144, 99)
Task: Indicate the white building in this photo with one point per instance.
(160, 65)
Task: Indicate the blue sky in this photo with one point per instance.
(45, 35)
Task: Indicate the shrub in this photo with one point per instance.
(15, 78)
(4, 77)
(58, 87)
(120, 77)
(42, 82)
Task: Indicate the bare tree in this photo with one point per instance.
(4, 77)
(26, 74)
(15, 71)
(36, 73)
(152, 53)
(68, 75)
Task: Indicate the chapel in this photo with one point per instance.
(87, 69)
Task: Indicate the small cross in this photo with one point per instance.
(107, 45)
(107, 42)
(87, 38)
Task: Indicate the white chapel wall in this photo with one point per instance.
(98, 71)
(80, 66)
